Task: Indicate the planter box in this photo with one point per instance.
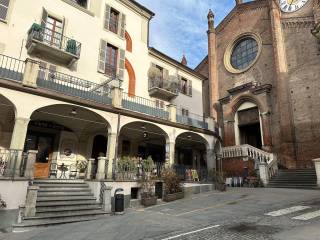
(173, 197)
(149, 201)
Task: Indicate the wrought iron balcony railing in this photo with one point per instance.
(192, 119)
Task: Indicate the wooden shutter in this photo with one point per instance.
(190, 88)
(107, 17)
(102, 56)
(44, 18)
(180, 83)
(165, 74)
(121, 64)
(122, 24)
(4, 5)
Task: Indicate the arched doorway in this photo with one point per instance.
(191, 154)
(99, 149)
(60, 134)
(7, 120)
(141, 139)
(248, 125)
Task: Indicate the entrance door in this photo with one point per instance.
(251, 134)
(44, 144)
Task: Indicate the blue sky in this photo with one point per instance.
(180, 26)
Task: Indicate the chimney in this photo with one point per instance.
(238, 2)
(184, 60)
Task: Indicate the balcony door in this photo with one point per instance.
(53, 32)
(111, 60)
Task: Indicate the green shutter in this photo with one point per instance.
(107, 17)
(121, 65)
(122, 25)
(44, 18)
(102, 56)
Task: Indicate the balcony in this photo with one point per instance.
(163, 89)
(53, 45)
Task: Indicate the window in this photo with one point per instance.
(111, 60)
(244, 53)
(4, 4)
(53, 31)
(82, 3)
(185, 112)
(159, 104)
(185, 86)
(113, 23)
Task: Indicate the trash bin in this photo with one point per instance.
(119, 201)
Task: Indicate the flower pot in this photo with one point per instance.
(173, 196)
(148, 201)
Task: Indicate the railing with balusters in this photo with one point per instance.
(11, 68)
(12, 163)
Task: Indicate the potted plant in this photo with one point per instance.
(82, 167)
(71, 46)
(36, 31)
(220, 181)
(148, 197)
(3, 204)
(172, 186)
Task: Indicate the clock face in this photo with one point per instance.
(292, 5)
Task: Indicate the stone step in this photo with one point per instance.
(65, 185)
(59, 181)
(293, 180)
(64, 214)
(293, 186)
(64, 198)
(65, 194)
(66, 203)
(63, 189)
(34, 224)
(58, 208)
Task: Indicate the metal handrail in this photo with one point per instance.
(192, 119)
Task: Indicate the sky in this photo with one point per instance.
(179, 26)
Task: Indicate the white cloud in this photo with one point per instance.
(180, 26)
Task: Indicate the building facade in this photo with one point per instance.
(263, 68)
(79, 83)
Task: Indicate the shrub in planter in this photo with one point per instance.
(71, 46)
(82, 168)
(36, 31)
(172, 186)
(3, 204)
(148, 197)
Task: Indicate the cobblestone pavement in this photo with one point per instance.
(236, 214)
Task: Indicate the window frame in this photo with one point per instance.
(231, 47)
(111, 70)
(5, 20)
(113, 21)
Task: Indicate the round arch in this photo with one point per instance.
(143, 139)
(128, 42)
(132, 78)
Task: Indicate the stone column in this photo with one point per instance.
(31, 200)
(213, 69)
(111, 151)
(229, 135)
(172, 109)
(18, 140)
(30, 73)
(31, 159)
(211, 123)
(211, 160)
(266, 130)
(89, 168)
(170, 154)
(317, 167)
(101, 171)
(263, 171)
(116, 94)
(106, 199)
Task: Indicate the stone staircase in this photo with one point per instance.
(294, 178)
(60, 202)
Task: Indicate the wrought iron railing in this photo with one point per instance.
(12, 163)
(54, 39)
(191, 119)
(169, 85)
(74, 86)
(143, 105)
(11, 68)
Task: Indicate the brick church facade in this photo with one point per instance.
(263, 70)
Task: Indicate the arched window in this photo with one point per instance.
(128, 42)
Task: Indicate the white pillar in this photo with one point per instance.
(30, 73)
(211, 160)
(111, 151)
(17, 142)
(106, 204)
(31, 159)
(101, 172)
(263, 172)
(89, 168)
(31, 200)
(172, 109)
(116, 94)
(170, 153)
(317, 167)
